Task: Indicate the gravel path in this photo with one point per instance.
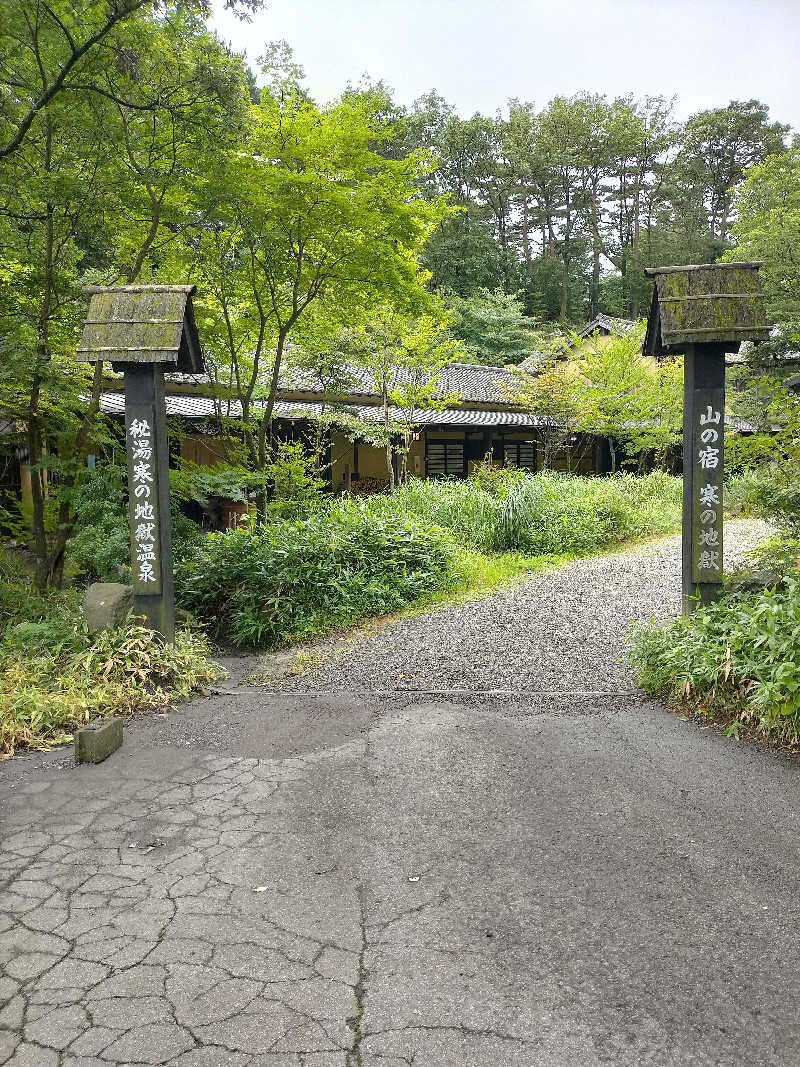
(562, 630)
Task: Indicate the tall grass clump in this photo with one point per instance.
(737, 660)
(55, 676)
(542, 514)
(292, 580)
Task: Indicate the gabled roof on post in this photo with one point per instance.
(702, 303)
(142, 324)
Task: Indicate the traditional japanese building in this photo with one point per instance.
(604, 326)
(477, 415)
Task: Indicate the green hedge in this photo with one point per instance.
(291, 580)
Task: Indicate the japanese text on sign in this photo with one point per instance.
(143, 494)
(707, 503)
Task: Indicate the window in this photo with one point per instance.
(520, 454)
(445, 459)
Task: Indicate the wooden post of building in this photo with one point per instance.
(704, 312)
(143, 330)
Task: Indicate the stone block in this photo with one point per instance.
(96, 742)
(106, 605)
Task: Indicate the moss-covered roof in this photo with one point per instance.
(709, 302)
(141, 324)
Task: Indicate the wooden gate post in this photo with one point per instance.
(144, 330)
(704, 312)
(703, 452)
(147, 449)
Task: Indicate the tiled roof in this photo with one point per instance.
(606, 322)
(466, 382)
(201, 407)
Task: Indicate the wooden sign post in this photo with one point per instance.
(147, 449)
(704, 311)
(144, 330)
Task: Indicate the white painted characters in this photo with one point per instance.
(708, 535)
(708, 560)
(145, 533)
(709, 416)
(709, 458)
(709, 494)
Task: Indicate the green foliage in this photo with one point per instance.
(541, 514)
(621, 395)
(291, 580)
(55, 676)
(741, 490)
(404, 356)
(203, 483)
(738, 659)
(719, 145)
(294, 480)
(766, 493)
(767, 228)
(20, 604)
(310, 221)
(493, 326)
(100, 548)
(770, 459)
(101, 169)
(608, 388)
(770, 564)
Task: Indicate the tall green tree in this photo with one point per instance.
(405, 355)
(620, 396)
(493, 326)
(719, 145)
(767, 228)
(98, 173)
(308, 215)
(52, 49)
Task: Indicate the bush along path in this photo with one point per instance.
(561, 632)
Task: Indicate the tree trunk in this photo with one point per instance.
(389, 456)
(594, 295)
(526, 235)
(612, 450)
(564, 314)
(566, 261)
(36, 444)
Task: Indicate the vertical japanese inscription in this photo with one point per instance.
(707, 458)
(143, 499)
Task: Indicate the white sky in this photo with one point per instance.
(478, 53)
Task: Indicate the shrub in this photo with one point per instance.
(55, 676)
(541, 514)
(290, 580)
(294, 478)
(738, 657)
(99, 550)
(767, 493)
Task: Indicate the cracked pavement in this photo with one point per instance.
(312, 879)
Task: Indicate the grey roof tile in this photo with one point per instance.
(473, 382)
(201, 407)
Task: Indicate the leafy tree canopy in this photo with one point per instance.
(493, 327)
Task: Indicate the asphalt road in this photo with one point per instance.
(315, 879)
